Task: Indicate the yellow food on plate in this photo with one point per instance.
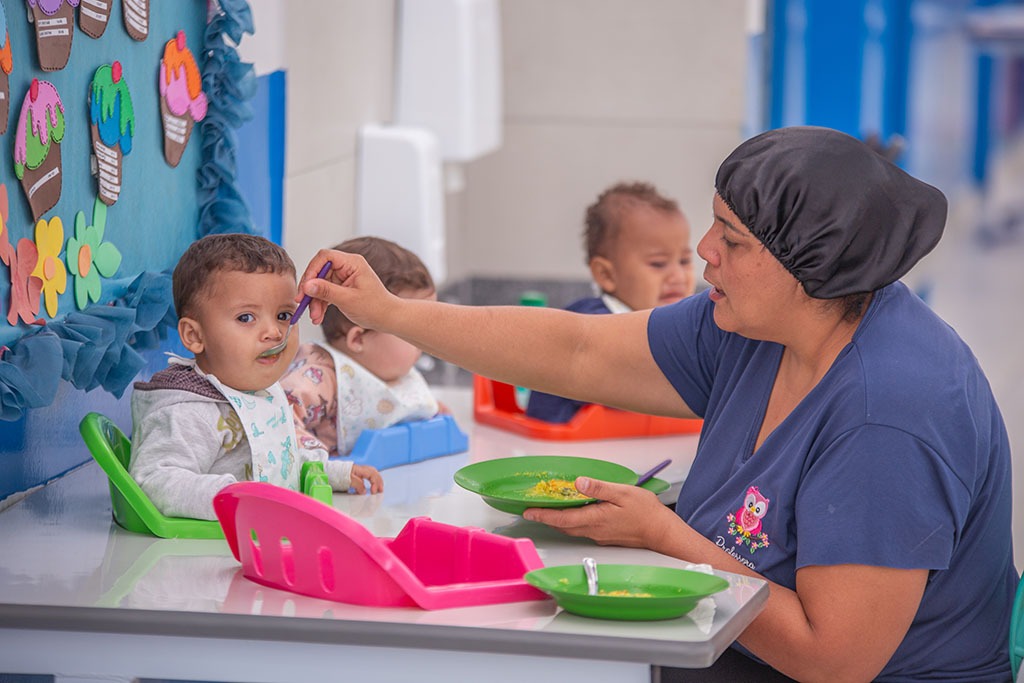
(624, 594)
(561, 489)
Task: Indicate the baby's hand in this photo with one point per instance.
(361, 472)
(442, 409)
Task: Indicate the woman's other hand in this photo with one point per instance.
(629, 516)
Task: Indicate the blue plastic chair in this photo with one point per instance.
(408, 442)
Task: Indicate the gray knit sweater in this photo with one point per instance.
(188, 443)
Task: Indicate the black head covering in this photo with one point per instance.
(841, 218)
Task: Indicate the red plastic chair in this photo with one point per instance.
(494, 404)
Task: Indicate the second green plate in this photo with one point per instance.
(627, 591)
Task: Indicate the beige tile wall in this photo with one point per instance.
(598, 91)
(595, 91)
(340, 56)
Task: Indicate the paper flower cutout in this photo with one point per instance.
(113, 126)
(89, 257)
(49, 268)
(55, 29)
(182, 101)
(6, 64)
(25, 287)
(37, 146)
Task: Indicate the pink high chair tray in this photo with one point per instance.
(292, 542)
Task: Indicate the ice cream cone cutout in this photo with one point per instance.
(6, 64)
(55, 29)
(136, 18)
(182, 101)
(113, 126)
(93, 17)
(37, 146)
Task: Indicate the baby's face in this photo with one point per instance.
(387, 356)
(243, 315)
(651, 261)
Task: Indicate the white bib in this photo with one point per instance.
(367, 402)
(266, 418)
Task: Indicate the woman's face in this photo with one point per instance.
(751, 290)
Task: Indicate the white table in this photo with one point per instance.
(85, 600)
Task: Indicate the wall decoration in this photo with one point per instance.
(6, 64)
(6, 248)
(103, 345)
(37, 146)
(97, 347)
(89, 257)
(112, 120)
(182, 100)
(93, 17)
(49, 267)
(55, 29)
(221, 206)
(25, 287)
(136, 18)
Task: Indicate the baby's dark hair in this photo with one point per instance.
(398, 268)
(603, 219)
(232, 252)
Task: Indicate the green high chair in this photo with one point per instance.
(133, 510)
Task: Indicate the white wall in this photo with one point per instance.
(338, 55)
(595, 91)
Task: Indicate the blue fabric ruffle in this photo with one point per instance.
(97, 347)
(229, 84)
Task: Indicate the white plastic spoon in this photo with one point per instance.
(590, 569)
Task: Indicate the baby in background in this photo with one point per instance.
(638, 249)
(360, 379)
(204, 423)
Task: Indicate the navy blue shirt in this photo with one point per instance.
(557, 409)
(898, 458)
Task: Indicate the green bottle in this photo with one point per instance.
(528, 298)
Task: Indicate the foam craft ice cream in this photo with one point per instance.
(182, 101)
(113, 126)
(93, 17)
(55, 29)
(136, 18)
(37, 146)
(6, 64)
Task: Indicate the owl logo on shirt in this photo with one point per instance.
(745, 524)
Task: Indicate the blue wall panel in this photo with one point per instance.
(261, 150)
(152, 222)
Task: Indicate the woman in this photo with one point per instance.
(852, 452)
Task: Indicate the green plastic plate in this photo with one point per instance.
(505, 483)
(658, 486)
(630, 592)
